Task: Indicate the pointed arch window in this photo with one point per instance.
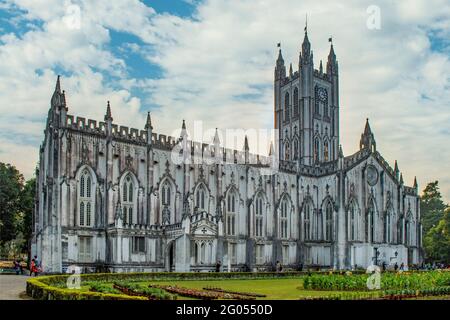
(296, 149)
(166, 194)
(231, 214)
(329, 222)
(400, 230)
(259, 217)
(200, 198)
(286, 107)
(284, 219)
(325, 152)
(85, 200)
(307, 213)
(296, 111)
(316, 150)
(354, 221)
(128, 199)
(317, 225)
(286, 151)
(370, 223)
(387, 226)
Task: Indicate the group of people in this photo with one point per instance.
(35, 266)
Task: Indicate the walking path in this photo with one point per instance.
(12, 287)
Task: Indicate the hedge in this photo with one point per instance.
(53, 287)
(38, 289)
(143, 276)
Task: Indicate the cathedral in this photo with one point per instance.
(112, 198)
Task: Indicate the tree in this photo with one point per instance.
(437, 240)
(11, 185)
(27, 206)
(431, 206)
(435, 214)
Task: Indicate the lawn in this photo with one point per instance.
(274, 289)
(335, 286)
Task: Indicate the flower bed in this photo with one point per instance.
(405, 280)
(151, 293)
(199, 294)
(103, 288)
(248, 294)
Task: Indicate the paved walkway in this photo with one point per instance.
(12, 287)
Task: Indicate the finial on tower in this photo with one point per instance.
(367, 138)
(108, 116)
(183, 129)
(216, 139)
(246, 148)
(415, 183)
(148, 124)
(271, 149)
(401, 178)
(306, 24)
(58, 84)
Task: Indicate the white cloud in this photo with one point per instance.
(227, 51)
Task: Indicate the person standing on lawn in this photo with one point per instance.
(218, 265)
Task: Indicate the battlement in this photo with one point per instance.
(203, 215)
(322, 169)
(323, 75)
(162, 141)
(355, 158)
(83, 124)
(410, 191)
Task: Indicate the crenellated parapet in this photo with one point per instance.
(356, 158)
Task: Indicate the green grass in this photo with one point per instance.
(286, 288)
(274, 289)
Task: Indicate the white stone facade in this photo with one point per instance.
(112, 197)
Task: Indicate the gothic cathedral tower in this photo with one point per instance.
(306, 109)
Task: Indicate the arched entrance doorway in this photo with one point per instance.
(170, 257)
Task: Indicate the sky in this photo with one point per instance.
(213, 60)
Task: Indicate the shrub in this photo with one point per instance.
(37, 289)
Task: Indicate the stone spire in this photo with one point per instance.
(148, 124)
(58, 85)
(271, 149)
(331, 55)
(306, 45)
(58, 98)
(367, 138)
(415, 185)
(401, 178)
(108, 116)
(341, 153)
(280, 69)
(149, 128)
(396, 170)
(291, 73)
(320, 67)
(183, 130)
(216, 140)
(246, 148)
